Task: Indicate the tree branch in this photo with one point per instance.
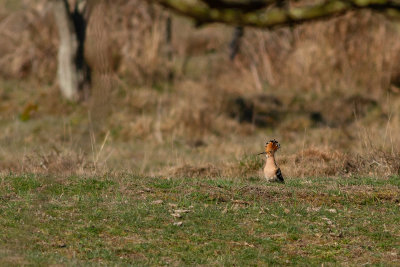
(272, 17)
(244, 5)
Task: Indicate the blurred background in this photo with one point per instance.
(157, 94)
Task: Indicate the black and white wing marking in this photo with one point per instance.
(279, 175)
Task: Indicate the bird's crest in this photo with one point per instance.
(272, 146)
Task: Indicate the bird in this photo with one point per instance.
(271, 170)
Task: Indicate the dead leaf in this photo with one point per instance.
(181, 211)
(286, 211)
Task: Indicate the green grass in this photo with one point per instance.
(131, 220)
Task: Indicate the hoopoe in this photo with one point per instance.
(271, 171)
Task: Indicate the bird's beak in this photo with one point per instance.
(261, 153)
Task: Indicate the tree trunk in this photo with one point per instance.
(73, 72)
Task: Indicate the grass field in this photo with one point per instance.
(135, 220)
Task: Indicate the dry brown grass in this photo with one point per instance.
(354, 51)
(29, 42)
(325, 100)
